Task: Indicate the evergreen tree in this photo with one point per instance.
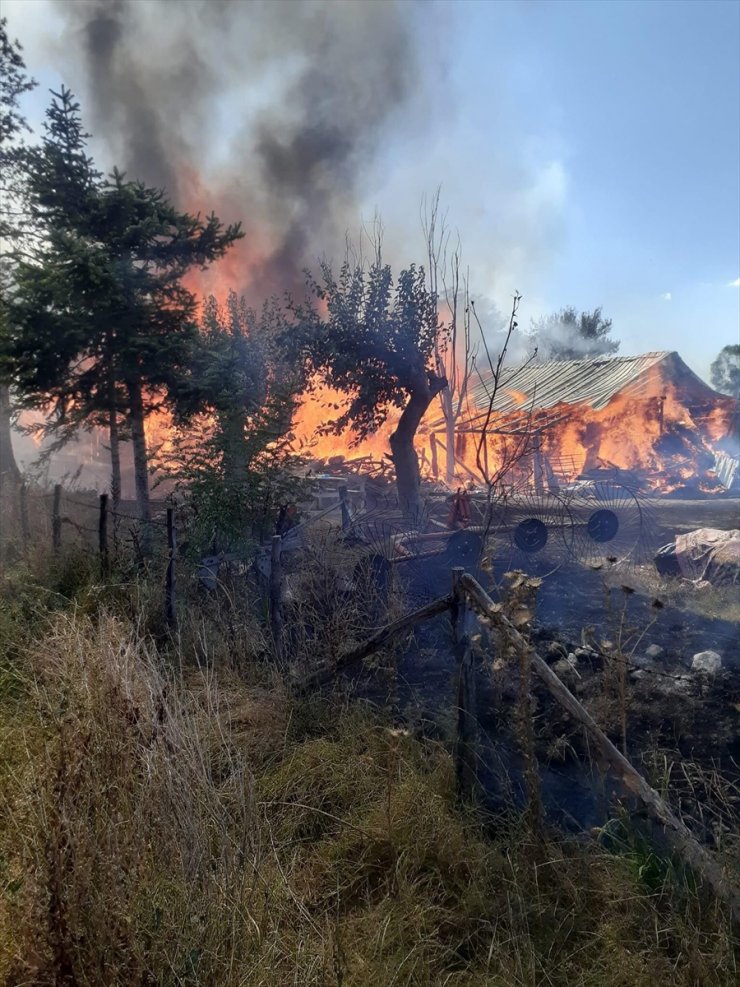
(101, 322)
(13, 222)
(234, 410)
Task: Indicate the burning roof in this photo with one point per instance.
(650, 414)
(594, 381)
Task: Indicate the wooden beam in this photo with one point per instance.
(325, 674)
(459, 462)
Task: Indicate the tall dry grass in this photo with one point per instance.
(163, 826)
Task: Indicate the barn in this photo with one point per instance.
(547, 424)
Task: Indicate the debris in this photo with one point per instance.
(643, 662)
(709, 662)
(565, 671)
(583, 654)
(654, 651)
(705, 554)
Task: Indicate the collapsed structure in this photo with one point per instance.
(546, 425)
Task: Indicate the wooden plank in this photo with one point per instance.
(701, 860)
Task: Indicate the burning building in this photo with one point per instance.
(548, 424)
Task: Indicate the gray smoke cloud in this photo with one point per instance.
(270, 113)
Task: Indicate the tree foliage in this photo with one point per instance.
(370, 338)
(100, 322)
(13, 222)
(568, 335)
(230, 450)
(725, 371)
(375, 340)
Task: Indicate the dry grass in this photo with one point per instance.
(169, 828)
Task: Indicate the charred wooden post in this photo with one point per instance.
(25, 526)
(433, 455)
(170, 600)
(526, 741)
(103, 536)
(56, 518)
(466, 739)
(276, 596)
(344, 507)
(539, 472)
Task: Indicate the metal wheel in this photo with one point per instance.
(609, 524)
(531, 532)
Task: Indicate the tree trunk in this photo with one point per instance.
(408, 479)
(115, 460)
(141, 460)
(232, 425)
(450, 452)
(115, 442)
(9, 473)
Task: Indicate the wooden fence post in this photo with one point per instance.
(25, 526)
(276, 596)
(466, 739)
(56, 519)
(170, 601)
(344, 507)
(103, 535)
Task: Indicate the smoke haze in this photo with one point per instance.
(270, 113)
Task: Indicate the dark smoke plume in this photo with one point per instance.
(271, 113)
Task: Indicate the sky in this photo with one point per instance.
(588, 153)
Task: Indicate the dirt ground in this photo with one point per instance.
(589, 614)
(674, 516)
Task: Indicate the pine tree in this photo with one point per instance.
(101, 324)
(13, 223)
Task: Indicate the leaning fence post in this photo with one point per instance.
(56, 519)
(103, 535)
(465, 741)
(25, 526)
(170, 599)
(276, 595)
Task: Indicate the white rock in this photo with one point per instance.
(706, 661)
(654, 651)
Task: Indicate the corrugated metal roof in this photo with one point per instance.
(541, 385)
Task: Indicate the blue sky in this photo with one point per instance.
(588, 152)
(621, 124)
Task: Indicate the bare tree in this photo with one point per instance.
(453, 352)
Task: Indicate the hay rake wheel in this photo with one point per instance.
(383, 531)
(531, 532)
(610, 524)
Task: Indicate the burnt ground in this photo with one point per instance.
(584, 618)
